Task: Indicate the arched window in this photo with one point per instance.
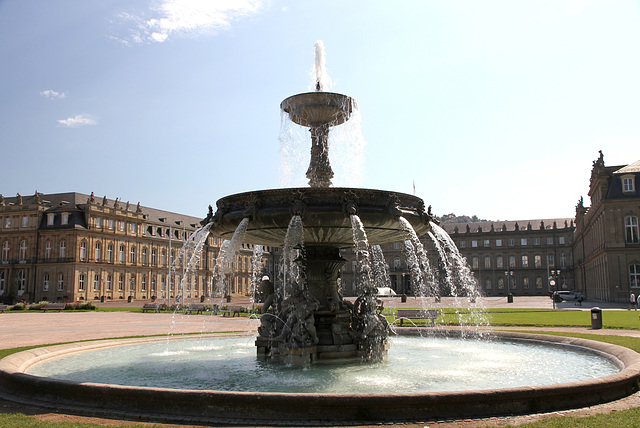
(143, 285)
(23, 251)
(63, 250)
(5, 251)
(487, 283)
(121, 282)
(60, 282)
(96, 282)
(132, 255)
(96, 252)
(109, 282)
(21, 281)
(45, 282)
(634, 275)
(83, 250)
(631, 230)
(121, 254)
(110, 253)
(144, 256)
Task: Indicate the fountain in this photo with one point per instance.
(306, 322)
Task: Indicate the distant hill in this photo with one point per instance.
(452, 218)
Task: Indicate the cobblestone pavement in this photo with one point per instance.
(34, 328)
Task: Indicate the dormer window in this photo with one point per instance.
(65, 218)
(50, 219)
(628, 184)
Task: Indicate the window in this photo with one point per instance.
(525, 283)
(512, 262)
(122, 225)
(132, 255)
(81, 279)
(45, 282)
(549, 240)
(474, 263)
(111, 224)
(396, 263)
(501, 283)
(628, 184)
(109, 282)
(98, 223)
(132, 283)
(65, 218)
(25, 221)
(83, 251)
(634, 275)
(23, 251)
(539, 283)
(96, 252)
(523, 242)
(563, 260)
(487, 283)
(538, 261)
(487, 262)
(110, 252)
(50, 219)
(60, 282)
(120, 282)
(499, 262)
(561, 240)
(7, 222)
(474, 244)
(525, 261)
(96, 282)
(134, 228)
(536, 241)
(63, 249)
(551, 261)
(631, 229)
(154, 256)
(511, 242)
(463, 244)
(5, 252)
(498, 242)
(144, 255)
(121, 254)
(153, 283)
(47, 250)
(143, 285)
(486, 243)
(163, 283)
(21, 281)
(163, 258)
(2, 280)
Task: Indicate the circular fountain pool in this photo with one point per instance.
(429, 384)
(414, 365)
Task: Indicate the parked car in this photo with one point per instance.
(386, 292)
(566, 295)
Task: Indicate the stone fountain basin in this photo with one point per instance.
(325, 214)
(318, 108)
(247, 408)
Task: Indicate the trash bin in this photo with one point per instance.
(403, 298)
(596, 318)
(202, 299)
(509, 298)
(228, 298)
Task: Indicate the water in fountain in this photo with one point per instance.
(320, 80)
(224, 262)
(379, 268)
(189, 256)
(256, 270)
(292, 254)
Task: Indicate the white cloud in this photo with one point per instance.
(53, 95)
(171, 18)
(77, 121)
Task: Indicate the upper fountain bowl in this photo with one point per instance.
(313, 109)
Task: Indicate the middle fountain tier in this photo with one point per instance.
(304, 317)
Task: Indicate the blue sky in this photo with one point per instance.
(493, 108)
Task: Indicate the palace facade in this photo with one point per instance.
(72, 246)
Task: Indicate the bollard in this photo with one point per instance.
(596, 318)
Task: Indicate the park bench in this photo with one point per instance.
(155, 307)
(3, 308)
(198, 308)
(53, 307)
(232, 311)
(422, 314)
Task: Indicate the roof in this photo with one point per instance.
(629, 169)
(485, 226)
(71, 200)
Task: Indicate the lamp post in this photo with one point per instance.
(553, 282)
(509, 275)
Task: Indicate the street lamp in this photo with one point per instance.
(509, 275)
(553, 282)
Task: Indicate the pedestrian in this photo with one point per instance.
(632, 302)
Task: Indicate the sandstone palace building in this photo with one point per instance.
(73, 246)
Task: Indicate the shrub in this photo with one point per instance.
(18, 307)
